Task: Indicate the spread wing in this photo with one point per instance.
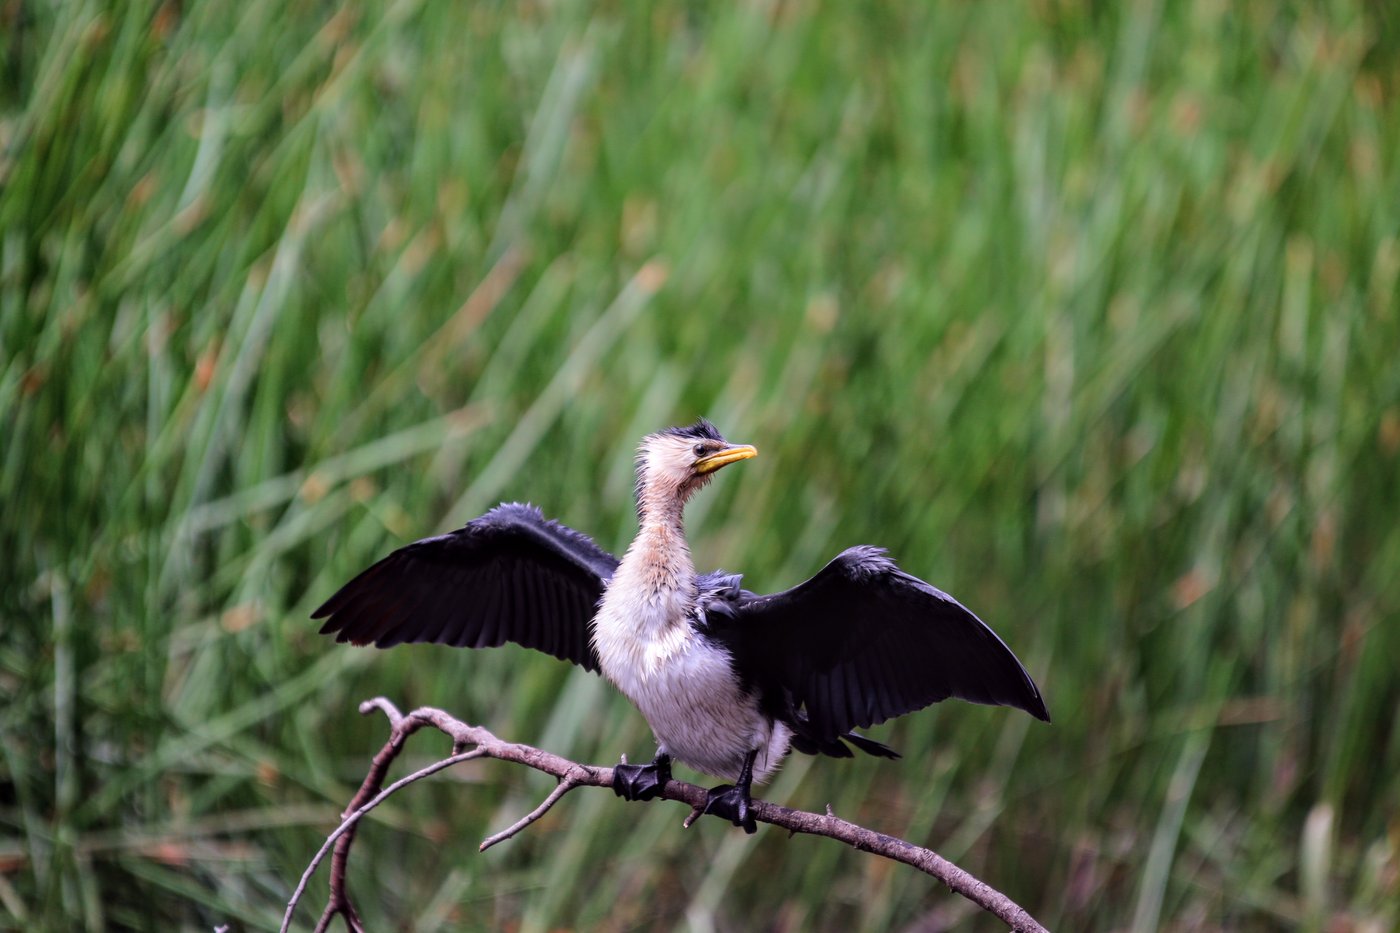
(863, 641)
(510, 575)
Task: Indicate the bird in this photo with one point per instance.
(730, 681)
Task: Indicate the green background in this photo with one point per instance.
(1086, 311)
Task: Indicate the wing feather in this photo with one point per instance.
(510, 575)
(863, 641)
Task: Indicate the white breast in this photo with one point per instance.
(680, 681)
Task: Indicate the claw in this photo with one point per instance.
(642, 782)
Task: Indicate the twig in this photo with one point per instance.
(571, 774)
(564, 787)
(340, 901)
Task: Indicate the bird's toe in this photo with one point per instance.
(733, 804)
(639, 782)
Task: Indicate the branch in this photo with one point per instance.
(475, 742)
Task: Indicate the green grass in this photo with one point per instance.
(1087, 313)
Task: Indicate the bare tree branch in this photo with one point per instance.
(475, 742)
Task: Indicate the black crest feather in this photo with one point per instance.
(700, 430)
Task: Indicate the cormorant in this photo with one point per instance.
(728, 680)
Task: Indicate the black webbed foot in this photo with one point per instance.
(642, 782)
(732, 802)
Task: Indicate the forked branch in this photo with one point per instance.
(475, 742)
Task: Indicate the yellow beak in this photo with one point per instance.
(728, 455)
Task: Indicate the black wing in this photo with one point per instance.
(863, 641)
(510, 575)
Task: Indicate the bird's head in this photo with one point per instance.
(673, 463)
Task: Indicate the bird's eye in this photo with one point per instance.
(700, 450)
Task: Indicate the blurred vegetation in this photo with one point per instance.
(1086, 311)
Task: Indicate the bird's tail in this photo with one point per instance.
(836, 748)
(870, 746)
